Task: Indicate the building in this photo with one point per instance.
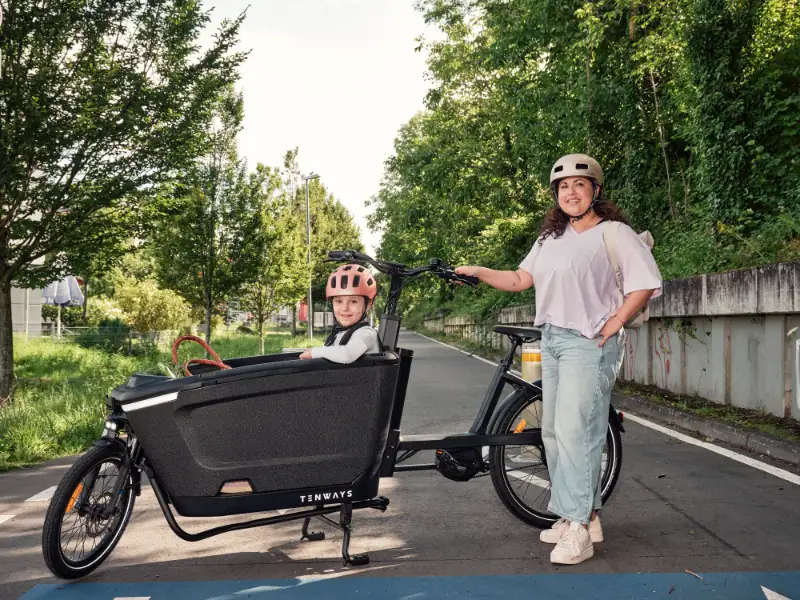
(34, 311)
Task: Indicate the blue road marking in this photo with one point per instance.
(671, 586)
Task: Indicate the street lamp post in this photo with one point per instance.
(310, 311)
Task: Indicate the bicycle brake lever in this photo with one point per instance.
(468, 279)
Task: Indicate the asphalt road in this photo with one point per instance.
(684, 522)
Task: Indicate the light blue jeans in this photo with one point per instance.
(577, 379)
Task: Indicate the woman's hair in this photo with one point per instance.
(556, 220)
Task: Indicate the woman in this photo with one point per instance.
(581, 314)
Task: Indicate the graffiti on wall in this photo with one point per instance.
(631, 349)
(663, 351)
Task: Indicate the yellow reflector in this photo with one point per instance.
(74, 497)
(237, 487)
(521, 427)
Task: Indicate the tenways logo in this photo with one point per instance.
(327, 496)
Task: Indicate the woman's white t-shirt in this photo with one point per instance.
(576, 287)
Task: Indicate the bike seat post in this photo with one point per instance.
(516, 342)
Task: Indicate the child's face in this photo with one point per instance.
(348, 309)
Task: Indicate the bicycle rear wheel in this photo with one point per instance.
(519, 473)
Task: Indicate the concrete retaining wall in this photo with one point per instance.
(733, 338)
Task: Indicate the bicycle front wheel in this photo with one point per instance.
(77, 537)
(519, 473)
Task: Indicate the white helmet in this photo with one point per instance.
(576, 165)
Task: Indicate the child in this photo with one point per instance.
(353, 290)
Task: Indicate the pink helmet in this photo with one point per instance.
(351, 280)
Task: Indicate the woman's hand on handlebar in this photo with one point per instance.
(469, 271)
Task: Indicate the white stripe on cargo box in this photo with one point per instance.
(150, 402)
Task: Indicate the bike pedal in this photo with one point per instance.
(314, 536)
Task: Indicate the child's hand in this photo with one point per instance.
(306, 354)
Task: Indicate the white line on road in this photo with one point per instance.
(480, 358)
(132, 598)
(756, 464)
(773, 595)
(532, 479)
(43, 496)
(529, 477)
(4, 518)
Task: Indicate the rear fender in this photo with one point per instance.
(616, 417)
(502, 407)
(613, 415)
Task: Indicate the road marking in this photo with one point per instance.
(4, 518)
(533, 479)
(132, 598)
(773, 595)
(480, 358)
(43, 496)
(756, 464)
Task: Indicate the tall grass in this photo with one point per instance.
(59, 398)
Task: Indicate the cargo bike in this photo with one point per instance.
(306, 438)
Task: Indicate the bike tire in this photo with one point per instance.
(63, 502)
(501, 479)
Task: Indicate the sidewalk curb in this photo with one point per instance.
(754, 441)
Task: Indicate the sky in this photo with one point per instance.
(336, 78)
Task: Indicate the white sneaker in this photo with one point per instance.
(574, 547)
(552, 535)
(560, 527)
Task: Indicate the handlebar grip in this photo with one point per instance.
(338, 254)
(474, 281)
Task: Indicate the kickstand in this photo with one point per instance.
(313, 536)
(345, 517)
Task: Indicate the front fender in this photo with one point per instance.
(107, 442)
(135, 474)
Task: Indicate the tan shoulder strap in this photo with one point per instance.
(610, 234)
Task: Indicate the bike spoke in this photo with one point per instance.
(77, 530)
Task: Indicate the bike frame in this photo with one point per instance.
(478, 434)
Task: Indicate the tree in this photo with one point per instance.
(100, 103)
(146, 308)
(332, 225)
(278, 251)
(200, 244)
(691, 107)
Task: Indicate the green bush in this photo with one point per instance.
(148, 308)
(111, 335)
(71, 316)
(100, 309)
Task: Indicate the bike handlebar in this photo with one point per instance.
(436, 266)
